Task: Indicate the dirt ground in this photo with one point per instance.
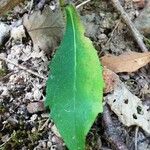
(22, 127)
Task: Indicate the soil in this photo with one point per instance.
(21, 129)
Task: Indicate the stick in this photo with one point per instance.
(6, 76)
(44, 125)
(83, 3)
(111, 131)
(22, 67)
(111, 35)
(6, 141)
(136, 34)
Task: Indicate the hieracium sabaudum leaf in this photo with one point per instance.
(75, 84)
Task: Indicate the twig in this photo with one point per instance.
(111, 131)
(136, 34)
(111, 35)
(83, 3)
(44, 125)
(136, 136)
(22, 67)
(6, 142)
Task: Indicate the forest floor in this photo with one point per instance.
(24, 122)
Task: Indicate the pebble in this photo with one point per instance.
(102, 38)
(28, 95)
(35, 107)
(49, 144)
(37, 94)
(12, 121)
(33, 130)
(34, 117)
(4, 32)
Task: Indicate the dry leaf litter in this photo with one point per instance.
(25, 123)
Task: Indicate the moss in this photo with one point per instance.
(2, 109)
(34, 136)
(3, 69)
(2, 72)
(22, 138)
(16, 141)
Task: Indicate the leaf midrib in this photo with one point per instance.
(75, 66)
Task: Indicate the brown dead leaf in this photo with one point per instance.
(6, 5)
(127, 62)
(45, 29)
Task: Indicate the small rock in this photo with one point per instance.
(33, 130)
(37, 94)
(102, 38)
(12, 121)
(35, 107)
(34, 117)
(28, 95)
(4, 32)
(107, 21)
(49, 144)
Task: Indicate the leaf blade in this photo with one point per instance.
(80, 88)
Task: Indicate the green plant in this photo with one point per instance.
(75, 84)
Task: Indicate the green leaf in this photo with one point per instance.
(75, 84)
